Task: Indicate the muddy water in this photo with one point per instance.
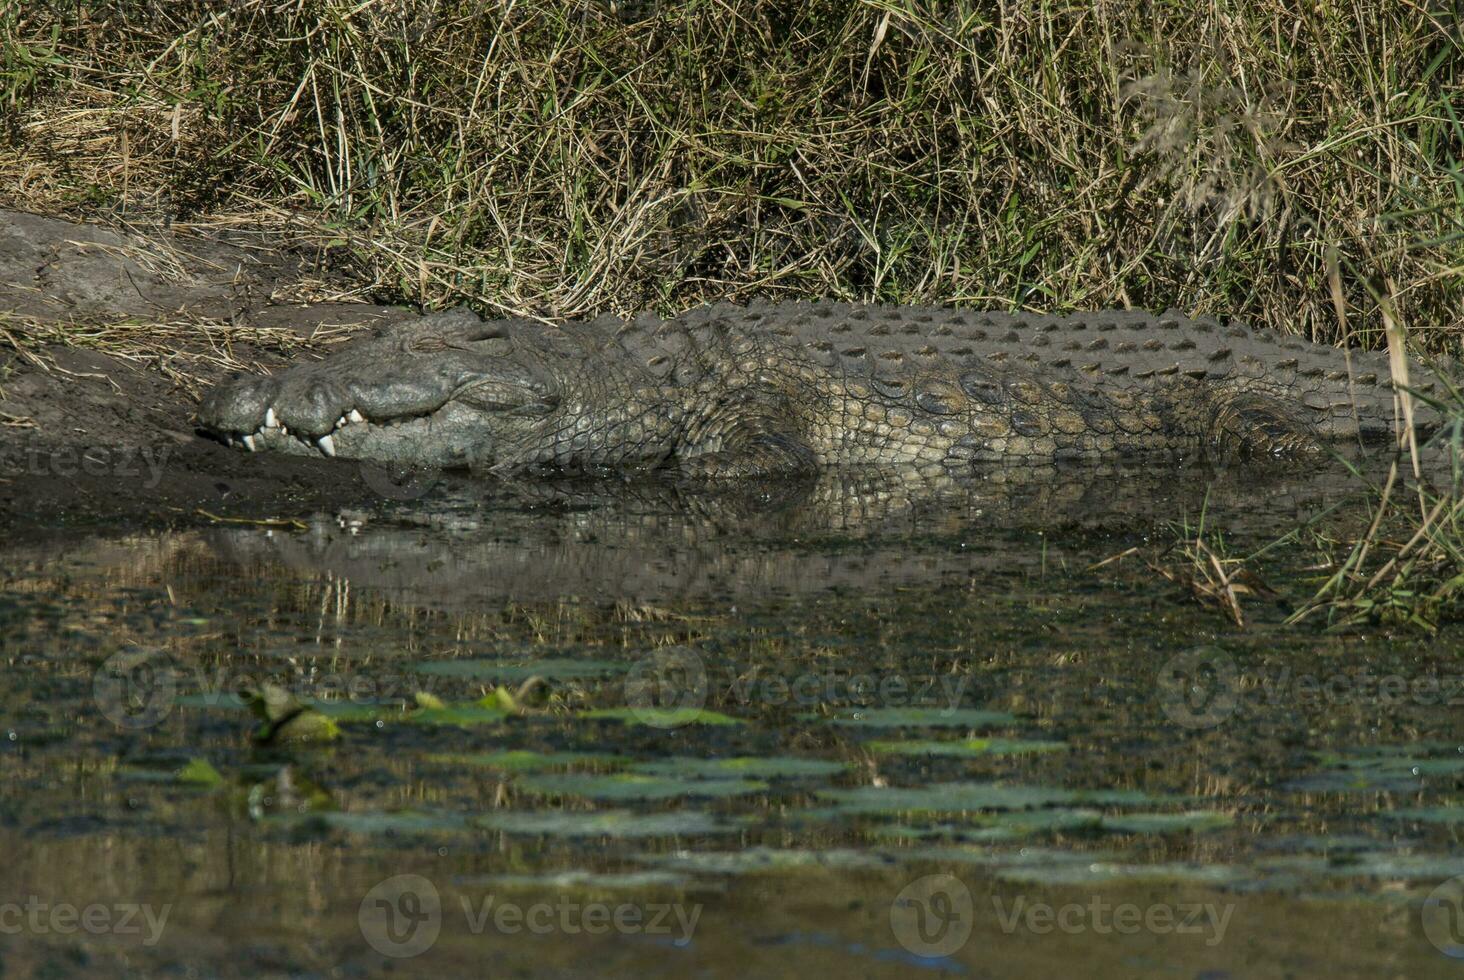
(857, 726)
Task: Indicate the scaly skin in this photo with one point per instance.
(780, 388)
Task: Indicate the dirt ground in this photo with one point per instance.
(108, 335)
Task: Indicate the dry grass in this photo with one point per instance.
(184, 350)
(1210, 576)
(566, 159)
(1198, 560)
(1408, 565)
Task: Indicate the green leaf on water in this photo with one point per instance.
(916, 718)
(1428, 814)
(661, 717)
(387, 822)
(502, 698)
(964, 747)
(1384, 755)
(944, 798)
(750, 767)
(1367, 780)
(764, 859)
(586, 881)
(636, 786)
(996, 827)
(1165, 823)
(199, 772)
(1318, 843)
(1427, 867)
(957, 797)
(1029, 856)
(1434, 767)
(549, 668)
(1124, 797)
(526, 760)
(1379, 768)
(602, 823)
(965, 833)
(307, 726)
(284, 719)
(1100, 871)
(1371, 864)
(1032, 821)
(1402, 765)
(271, 703)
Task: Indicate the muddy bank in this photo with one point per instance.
(99, 429)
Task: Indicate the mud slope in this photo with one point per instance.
(98, 430)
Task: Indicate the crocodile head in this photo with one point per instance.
(447, 390)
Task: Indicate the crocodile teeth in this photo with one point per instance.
(356, 416)
(326, 444)
(340, 421)
(249, 443)
(270, 421)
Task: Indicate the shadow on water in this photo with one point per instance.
(859, 725)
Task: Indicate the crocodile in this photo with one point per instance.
(779, 388)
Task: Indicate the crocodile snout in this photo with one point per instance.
(420, 390)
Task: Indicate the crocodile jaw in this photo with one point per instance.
(441, 394)
(452, 437)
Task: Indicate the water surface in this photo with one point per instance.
(855, 726)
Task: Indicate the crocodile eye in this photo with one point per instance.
(481, 339)
(492, 346)
(485, 331)
(486, 339)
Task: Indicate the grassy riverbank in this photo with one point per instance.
(569, 158)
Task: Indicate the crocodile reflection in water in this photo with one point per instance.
(646, 541)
